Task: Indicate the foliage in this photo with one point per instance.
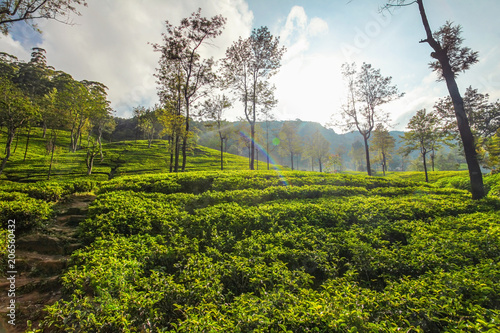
(247, 68)
(29, 10)
(367, 90)
(28, 212)
(451, 58)
(248, 252)
(183, 75)
(383, 144)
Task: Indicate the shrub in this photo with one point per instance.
(28, 212)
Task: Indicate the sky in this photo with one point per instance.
(111, 42)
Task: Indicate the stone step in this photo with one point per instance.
(70, 220)
(26, 285)
(41, 243)
(34, 264)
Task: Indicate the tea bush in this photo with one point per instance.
(241, 252)
(26, 211)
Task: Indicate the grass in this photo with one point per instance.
(120, 158)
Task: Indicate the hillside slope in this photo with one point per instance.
(120, 158)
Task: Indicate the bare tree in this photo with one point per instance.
(450, 58)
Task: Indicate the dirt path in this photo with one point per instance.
(40, 261)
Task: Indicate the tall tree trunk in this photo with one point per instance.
(17, 141)
(10, 138)
(291, 159)
(252, 144)
(171, 145)
(221, 153)
(425, 167)
(320, 165)
(99, 141)
(53, 139)
(312, 163)
(257, 157)
(177, 153)
(252, 124)
(185, 139)
(27, 144)
(384, 166)
(475, 175)
(267, 144)
(367, 152)
(90, 161)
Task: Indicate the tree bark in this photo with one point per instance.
(367, 153)
(475, 175)
(90, 162)
(425, 167)
(384, 166)
(185, 139)
(177, 153)
(10, 139)
(53, 139)
(27, 144)
(252, 145)
(17, 141)
(267, 144)
(221, 153)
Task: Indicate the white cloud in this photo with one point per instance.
(10, 46)
(317, 27)
(307, 82)
(109, 43)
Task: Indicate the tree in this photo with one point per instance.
(483, 116)
(214, 110)
(447, 162)
(56, 118)
(367, 91)
(92, 152)
(12, 11)
(493, 150)
(173, 127)
(146, 120)
(317, 149)
(450, 58)
(334, 163)
(423, 133)
(72, 97)
(290, 141)
(247, 67)
(181, 51)
(357, 155)
(15, 110)
(383, 144)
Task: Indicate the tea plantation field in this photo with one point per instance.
(278, 252)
